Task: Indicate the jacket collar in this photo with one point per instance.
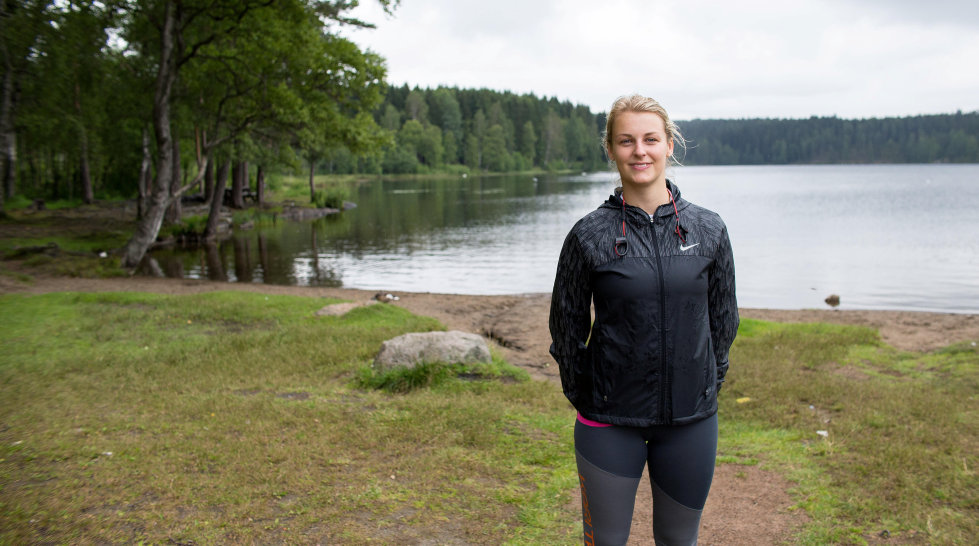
(615, 200)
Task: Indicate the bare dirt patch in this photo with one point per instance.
(747, 504)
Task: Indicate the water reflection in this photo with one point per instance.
(426, 229)
(880, 236)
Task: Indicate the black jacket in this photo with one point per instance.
(665, 314)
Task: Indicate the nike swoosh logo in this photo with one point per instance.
(688, 247)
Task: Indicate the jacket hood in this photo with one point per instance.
(615, 201)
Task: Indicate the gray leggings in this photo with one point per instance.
(610, 465)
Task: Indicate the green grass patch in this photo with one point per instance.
(82, 242)
(236, 418)
(438, 374)
(242, 418)
(899, 445)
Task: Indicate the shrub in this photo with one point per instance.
(330, 198)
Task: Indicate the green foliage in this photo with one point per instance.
(946, 138)
(484, 130)
(255, 81)
(188, 226)
(332, 197)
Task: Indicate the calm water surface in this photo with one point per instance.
(879, 236)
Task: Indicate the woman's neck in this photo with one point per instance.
(648, 198)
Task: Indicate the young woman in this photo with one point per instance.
(644, 376)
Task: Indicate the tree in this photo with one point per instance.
(446, 114)
(553, 138)
(21, 26)
(495, 155)
(471, 153)
(251, 66)
(415, 106)
(528, 141)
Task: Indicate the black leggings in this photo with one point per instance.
(610, 465)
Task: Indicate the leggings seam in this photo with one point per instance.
(602, 470)
(669, 496)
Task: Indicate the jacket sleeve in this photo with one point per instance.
(570, 318)
(722, 305)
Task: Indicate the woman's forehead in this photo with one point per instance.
(639, 122)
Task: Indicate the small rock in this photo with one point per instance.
(410, 350)
(823, 433)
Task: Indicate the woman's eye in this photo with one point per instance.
(625, 141)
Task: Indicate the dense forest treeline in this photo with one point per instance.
(500, 131)
(155, 99)
(945, 138)
(478, 129)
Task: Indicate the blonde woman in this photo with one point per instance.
(645, 375)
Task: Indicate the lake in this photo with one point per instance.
(879, 236)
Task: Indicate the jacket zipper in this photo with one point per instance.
(664, 367)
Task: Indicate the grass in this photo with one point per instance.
(241, 418)
(902, 429)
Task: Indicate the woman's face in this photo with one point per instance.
(640, 148)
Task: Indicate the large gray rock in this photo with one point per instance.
(410, 350)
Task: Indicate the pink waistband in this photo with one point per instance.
(591, 423)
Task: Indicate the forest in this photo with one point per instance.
(159, 99)
(942, 138)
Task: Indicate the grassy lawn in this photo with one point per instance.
(900, 431)
(241, 418)
(237, 418)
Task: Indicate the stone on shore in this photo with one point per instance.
(410, 350)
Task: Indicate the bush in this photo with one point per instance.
(188, 226)
(330, 198)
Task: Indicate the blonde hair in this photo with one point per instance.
(639, 103)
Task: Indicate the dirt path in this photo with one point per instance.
(747, 505)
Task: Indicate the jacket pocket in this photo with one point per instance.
(693, 387)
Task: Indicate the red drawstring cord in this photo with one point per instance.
(676, 213)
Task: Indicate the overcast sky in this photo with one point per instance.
(701, 59)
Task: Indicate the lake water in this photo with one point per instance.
(879, 236)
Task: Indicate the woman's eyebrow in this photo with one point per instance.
(653, 132)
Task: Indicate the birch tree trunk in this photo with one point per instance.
(144, 176)
(174, 211)
(149, 225)
(8, 150)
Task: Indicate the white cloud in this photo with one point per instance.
(853, 58)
